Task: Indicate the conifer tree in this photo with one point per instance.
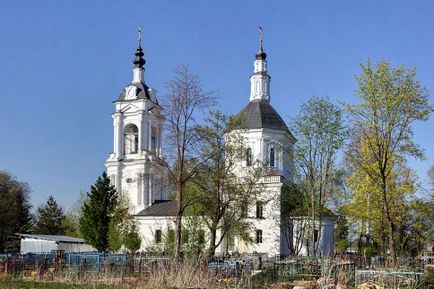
(97, 213)
(14, 211)
(49, 218)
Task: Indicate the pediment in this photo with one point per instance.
(128, 107)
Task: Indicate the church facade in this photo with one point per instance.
(136, 166)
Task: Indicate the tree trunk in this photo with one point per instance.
(211, 248)
(178, 222)
(392, 245)
(313, 226)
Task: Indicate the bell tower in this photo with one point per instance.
(135, 166)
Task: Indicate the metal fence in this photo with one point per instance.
(389, 279)
(331, 270)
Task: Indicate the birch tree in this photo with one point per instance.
(320, 133)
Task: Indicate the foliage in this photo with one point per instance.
(431, 179)
(123, 230)
(185, 98)
(320, 133)
(71, 222)
(15, 208)
(193, 242)
(132, 239)
(295, 202)
(49, 218)
(428, 276)
(392, 100)
(418, 228)
(341, 232)
(218, 191)
(97, 213)
(169, 242)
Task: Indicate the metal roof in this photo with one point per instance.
(260, 114)
(63, 239)
(141, 93)
(160, 208)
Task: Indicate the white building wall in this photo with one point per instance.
(33, 245)
(137, 175)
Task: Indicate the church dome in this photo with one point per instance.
(141, 91)
(260, 114)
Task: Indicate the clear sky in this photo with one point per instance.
(62, 63)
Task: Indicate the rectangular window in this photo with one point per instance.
(258, 236)
(249, 157)
(272, 158)
(158, 236)
(259, 210)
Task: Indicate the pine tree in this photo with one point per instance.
(49, 218)
(97, 213)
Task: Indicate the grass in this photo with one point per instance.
(20, 284)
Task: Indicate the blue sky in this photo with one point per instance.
(63, 63)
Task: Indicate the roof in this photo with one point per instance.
(141, 93)
(260, 114)
(160, 208)
(56, 238)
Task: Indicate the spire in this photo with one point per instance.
(260, 80)
(261, 54)
(138, 60)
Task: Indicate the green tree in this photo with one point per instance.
(431, 180)
(71, 222)
(220, 193)
(341, 232)
(418, 228)
(49, 218)
(97, 213)
(132, 239)
(295, 203)
(391, 101)
(122, 228)
(321, 133)
(14, 211)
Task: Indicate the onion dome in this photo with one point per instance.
(138, 60)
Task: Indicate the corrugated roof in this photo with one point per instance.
(160, 208)
(260, 114)
(64, 239)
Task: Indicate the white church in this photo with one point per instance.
(136, 166)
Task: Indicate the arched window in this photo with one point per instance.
(153, 139)
(272, 157)
(248, 157)
(131, 139)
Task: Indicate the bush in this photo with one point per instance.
(428, 276)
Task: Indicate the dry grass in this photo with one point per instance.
(157, 275)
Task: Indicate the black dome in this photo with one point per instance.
(260, 114)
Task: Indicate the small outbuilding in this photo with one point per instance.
(48, 243)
